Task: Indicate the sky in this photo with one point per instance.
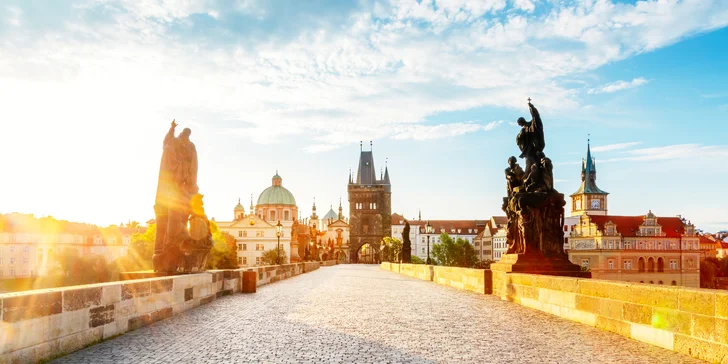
(89, 88)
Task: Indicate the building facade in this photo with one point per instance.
(30, 249)
(370, 210)
(643, 249)
(255, 232)
(467, 230)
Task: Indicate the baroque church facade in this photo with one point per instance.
(370, 210)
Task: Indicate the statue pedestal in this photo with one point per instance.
(537, 263)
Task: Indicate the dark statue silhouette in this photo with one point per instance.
(535, 210)
(178, 204)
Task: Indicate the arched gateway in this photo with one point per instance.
(370, 208)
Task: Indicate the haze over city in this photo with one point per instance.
(90, 87)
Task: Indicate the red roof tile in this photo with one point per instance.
(672, 227)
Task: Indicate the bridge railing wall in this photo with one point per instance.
(42, 324)
(692, 321)
(329, 263)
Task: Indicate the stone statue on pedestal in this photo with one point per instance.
(535, 210)
(178, 203)
(406, 244)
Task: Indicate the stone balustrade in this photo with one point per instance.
(687, 320)
(42, 324)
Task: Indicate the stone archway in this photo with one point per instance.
(366, 254)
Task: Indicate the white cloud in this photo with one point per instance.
(429, 132)
(14, 15)
(618, 86)
(381, 75)
(673, 152)
(609, 147)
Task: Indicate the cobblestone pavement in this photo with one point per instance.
(361, 314)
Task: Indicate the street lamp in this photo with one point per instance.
(428, 230)
(279, 229)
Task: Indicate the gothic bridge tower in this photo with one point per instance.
(370, 209)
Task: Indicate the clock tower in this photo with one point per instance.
(589, 199)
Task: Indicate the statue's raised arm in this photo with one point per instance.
(537, 126)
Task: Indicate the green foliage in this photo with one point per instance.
(416, 260)
(75, 269)
(224, 252)
(142, 244)
(454, 253)
(392, 249)
(270, 257)
(483, 264)
(710, 269)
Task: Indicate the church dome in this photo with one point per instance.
(331, 215)
(239, 207)
(276, 194)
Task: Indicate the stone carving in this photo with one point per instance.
(178, 203)
(535, 210)
(406, 244)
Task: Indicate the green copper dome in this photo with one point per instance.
(276, 194)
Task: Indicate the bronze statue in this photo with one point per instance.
(531, 139)
(514, 175)
(535, 210)
(406, 244)
(177, 204)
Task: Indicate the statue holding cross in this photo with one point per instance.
(531, 139)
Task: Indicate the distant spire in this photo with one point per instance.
(371, 146)
(361, 146)
(251, 204)
(419, 217)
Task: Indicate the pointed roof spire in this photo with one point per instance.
(251, 203)
(386, 172)
(419, 216)
(589, 174)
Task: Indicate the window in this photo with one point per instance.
(26, 249)
(673, 264)
(259, 247)
(257, 260)
(12, 272)
(659, 282)
(610, 246)
(628, 245)
(12, 260)
(240, 234)
(245, 247)
(25, 261)
(245, 260)
(673, 283)
(245, 234)
(627, 264)
(240, 246)
(585, 263)
(286, 215)
(423, 250)
(240, 260)
(641, 265)
(12, 248)
(660, 265)
(610, 264)
(272, 215)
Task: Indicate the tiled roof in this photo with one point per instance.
(673, 227)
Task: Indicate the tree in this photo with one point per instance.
(452, 253)
(270, 257)
(393, 247)
(224, 252)
(142, 244)
(416, 260)
(708, 271)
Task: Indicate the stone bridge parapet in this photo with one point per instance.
(42, 324)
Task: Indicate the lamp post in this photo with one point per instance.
(279, 229)
(428, 231)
